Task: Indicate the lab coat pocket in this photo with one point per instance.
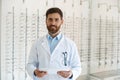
(59, 60)
(62, 59)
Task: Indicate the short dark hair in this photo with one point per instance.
(54, 10)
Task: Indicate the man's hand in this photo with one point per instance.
(65, 74)
(39, 73)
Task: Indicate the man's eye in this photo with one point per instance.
(50, 19)
(56, 19)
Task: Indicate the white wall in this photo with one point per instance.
(92, 24)
(0, 38)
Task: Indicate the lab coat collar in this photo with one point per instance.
(58, 37)
(45, 44)
(60, 45)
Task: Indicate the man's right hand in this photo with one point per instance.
(39, 73)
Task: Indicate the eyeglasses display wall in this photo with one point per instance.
(94, 25)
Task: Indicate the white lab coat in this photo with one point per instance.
(40, 57)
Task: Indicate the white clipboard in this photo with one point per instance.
(54, 70)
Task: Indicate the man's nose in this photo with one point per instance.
(53, 22)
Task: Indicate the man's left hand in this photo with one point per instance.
(65, 74)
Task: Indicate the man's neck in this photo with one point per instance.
(55, 34)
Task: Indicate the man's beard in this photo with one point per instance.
(53, 29)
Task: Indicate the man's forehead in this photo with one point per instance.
(54, 15)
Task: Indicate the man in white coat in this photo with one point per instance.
(54, 56)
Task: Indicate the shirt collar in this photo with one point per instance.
(58, 37)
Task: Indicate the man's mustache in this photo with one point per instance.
(52, 26)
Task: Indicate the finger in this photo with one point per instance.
(41, 74)
(43, 71)
(64, 74)
(59, 72)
